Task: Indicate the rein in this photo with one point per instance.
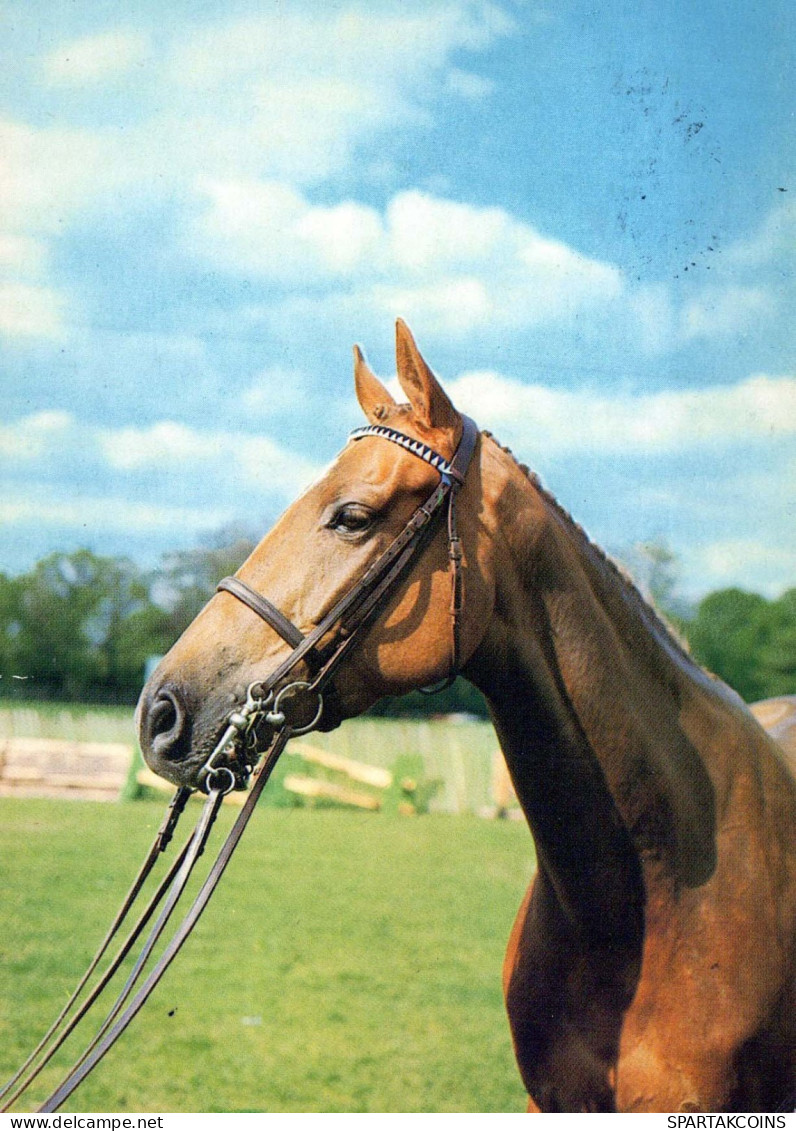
(238, 747)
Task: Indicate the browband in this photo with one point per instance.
(416, 447)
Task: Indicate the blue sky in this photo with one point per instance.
(585, 213)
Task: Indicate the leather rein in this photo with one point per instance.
(236, 755)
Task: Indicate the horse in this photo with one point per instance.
(651, 965)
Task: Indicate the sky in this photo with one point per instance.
(586, 213)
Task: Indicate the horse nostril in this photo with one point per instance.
(165, 714)
(166, 727)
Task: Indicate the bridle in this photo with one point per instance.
(350, 617)
(320, 651)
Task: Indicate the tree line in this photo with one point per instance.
(83, 627)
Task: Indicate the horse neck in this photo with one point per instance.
(586, 686)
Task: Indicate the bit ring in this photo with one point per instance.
(298, 685)
(211, 780)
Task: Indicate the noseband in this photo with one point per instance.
(322, 650)
(358, 608)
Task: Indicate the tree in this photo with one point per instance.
(777, 654)
(748, 641)
(187, 579)
(661, 571)
(83, 626)
(655, 570)
(10, 591)
(72, 613)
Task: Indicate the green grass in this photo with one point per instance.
(348, 963)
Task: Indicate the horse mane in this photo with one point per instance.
(630, 589)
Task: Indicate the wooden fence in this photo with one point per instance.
(330, 778)
(76, 743)
(55, 767)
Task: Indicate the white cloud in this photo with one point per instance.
(775, 237)
(554, 420)
(275, 391)
(745, 294)
(53, 464)
(288, 95)
(28, 311)
(50, 440)
(95, 58)
(285, 95)
(345, 237)
(162, 444)
(760, 565)
(168, 445)
(29, 438)
(453, 265)
(453, 305)
(427, 233)
(107, 512)
(724, 310)
(48, 174)
(267, 229)
(373, 45)
(653, 309)
(21, 254)
(291, 94)
(469, 85)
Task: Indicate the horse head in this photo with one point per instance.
(318, 552)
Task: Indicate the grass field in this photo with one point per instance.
(348, 963)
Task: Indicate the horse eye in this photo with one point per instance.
(351, 518)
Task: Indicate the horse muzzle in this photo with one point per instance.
(192, 747)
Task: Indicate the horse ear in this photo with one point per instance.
(371, 394)
(428, 399)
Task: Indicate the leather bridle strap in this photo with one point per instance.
(263, 607)
(357, 608)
